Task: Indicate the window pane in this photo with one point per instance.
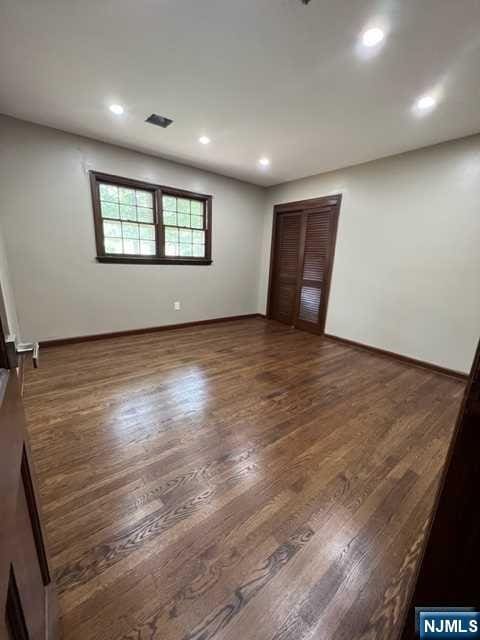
(197, 208)
(128, 212)
(183, 219)
(197, 222)
(112, 229)
(113, 245)
(169, 203)
(109, 192)
(186, 250)
(199, 250)
(198, 237)
(169, 218)
(126, 196)
(144, 199)
(183, 205)
(185, 236)
(129, 230)
(131, 246)
(147, 248)
(171, 234)
(144, 215)
(110, 210)
(147, 232)
(129, 221)
(171, 249)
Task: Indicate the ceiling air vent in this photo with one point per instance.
(160, 121)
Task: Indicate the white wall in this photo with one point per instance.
(61, 291)
(407, 268)
(406, 275)
(8, 312)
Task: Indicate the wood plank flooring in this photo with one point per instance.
(238, 481)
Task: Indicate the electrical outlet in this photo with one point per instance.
(176, 305)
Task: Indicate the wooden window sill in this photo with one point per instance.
(152, 260)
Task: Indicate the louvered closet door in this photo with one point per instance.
(285, 267)
(302, 261)
(315, 269)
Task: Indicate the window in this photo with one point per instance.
(142, 222)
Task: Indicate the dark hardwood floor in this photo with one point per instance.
(235, 481)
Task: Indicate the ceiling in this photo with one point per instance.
(269, 78)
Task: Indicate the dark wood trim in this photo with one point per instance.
(143, 260)
(14, 615)
(159, 230)
(5, 355)
(449, 566)
(312, 203)
(300, 206)
(157, 191)
(53, 629)
(149, 186)
(37, 530)
(20, 371)
(97, 215)
(398, 356)
(22, 550)
(272, 260)
(208, 230)
(132, 332)
(12, 355)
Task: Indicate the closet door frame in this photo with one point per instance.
(303, 206)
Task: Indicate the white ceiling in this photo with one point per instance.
(260, 77)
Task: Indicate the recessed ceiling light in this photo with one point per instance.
(204, 140)
(425, 102)
(117, 109)
(372, 37)
(264, 162)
